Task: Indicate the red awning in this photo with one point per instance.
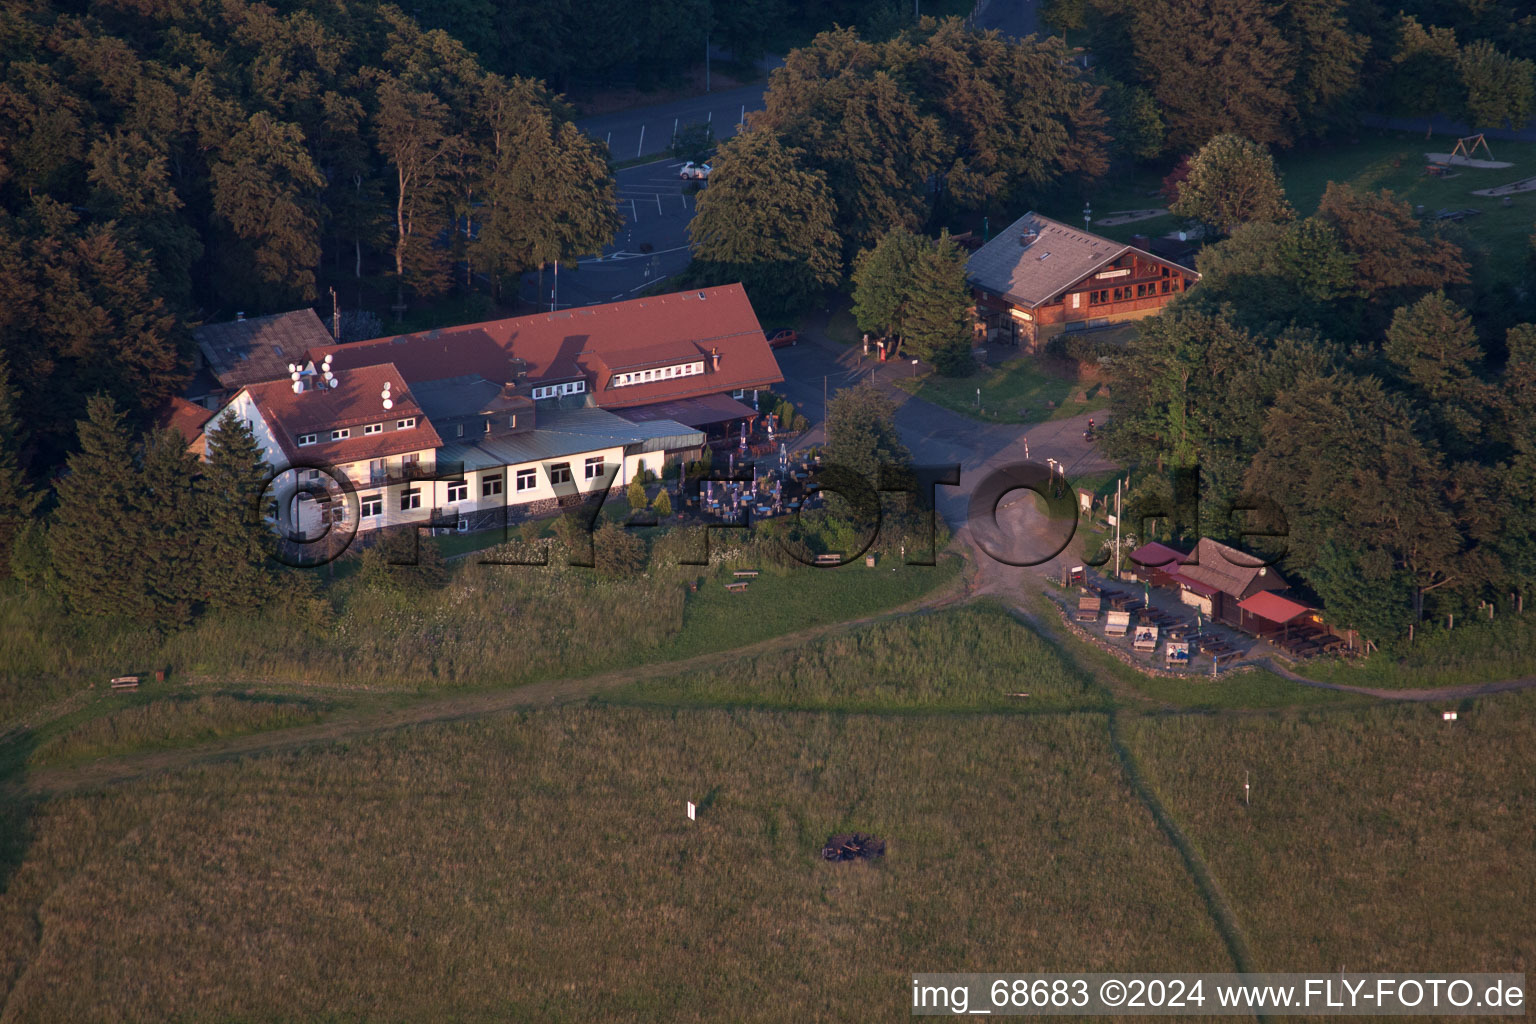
(1268, 605)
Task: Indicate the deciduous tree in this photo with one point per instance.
(1232, 181)
(768, 222)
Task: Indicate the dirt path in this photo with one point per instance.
(1429, 694)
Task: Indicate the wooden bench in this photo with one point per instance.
(745, 574)
(125, 683)
(737, 588)
(829, 559)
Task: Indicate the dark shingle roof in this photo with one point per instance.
(241, 352)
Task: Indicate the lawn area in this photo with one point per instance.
(540, 867)
(1474, 652)
(1380, 160)
(964, 659)
(1376, 840)
(1015, 391)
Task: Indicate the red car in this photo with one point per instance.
(780, 337)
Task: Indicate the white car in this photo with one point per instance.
(699, 172)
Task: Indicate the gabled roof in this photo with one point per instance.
(592, 342)
(1035, 259)
(242, 352)
(186, 418)
(1153, 555)
(1230, 571)
(353, 403)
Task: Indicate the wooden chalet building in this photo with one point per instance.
(1218, 579)
(1040, 277)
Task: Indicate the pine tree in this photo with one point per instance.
(938, 321)
(164, 515)
(663, 504)
(882, 281)
(92, 538)
(18, 499)
(635, 494)
(233, 559)
(1231, 181)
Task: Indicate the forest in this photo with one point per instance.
(163, 166)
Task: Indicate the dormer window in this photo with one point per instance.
(341, 433)
(405, 424)
(374, 428)
(309, 438)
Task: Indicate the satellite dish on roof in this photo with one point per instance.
(388, 404)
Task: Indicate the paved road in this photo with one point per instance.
(939, 436)
(647, 131)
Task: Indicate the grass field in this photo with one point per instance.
(1376, 840)
(1015, 391)
(967, 659)
(1478, 651)
(1379, 160)
(538, 865)
(541, 867)
(490, 626)
(172, 721)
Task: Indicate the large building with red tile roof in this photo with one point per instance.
(660, 349)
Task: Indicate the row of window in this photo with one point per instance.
(1140, 291)
(620, 380)
(342, 433)
(372, 505)
(575, 387)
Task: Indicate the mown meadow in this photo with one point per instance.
(1381, 839)
(540, 866)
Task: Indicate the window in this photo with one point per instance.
(594, 468)
(512, 422)
(374, 428)
(371, 505)
(341, 434)
(488, 424)
(1077, 299)
(1165, 287)
(411, 460)
(458, 490)
(410, 498)
(376, 469)
(739, 393)
(560, 473)
(460, 430)
(405, 424)
(490, 486)
(308, 438)
(527, 480)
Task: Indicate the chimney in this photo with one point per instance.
(1028, 237)
(714, 360)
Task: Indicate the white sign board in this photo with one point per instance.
(692, 810)
(1449, 716)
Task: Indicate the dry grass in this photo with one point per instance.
(964, 659)
(540, 867)
(172, 722)
(1377, 840)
